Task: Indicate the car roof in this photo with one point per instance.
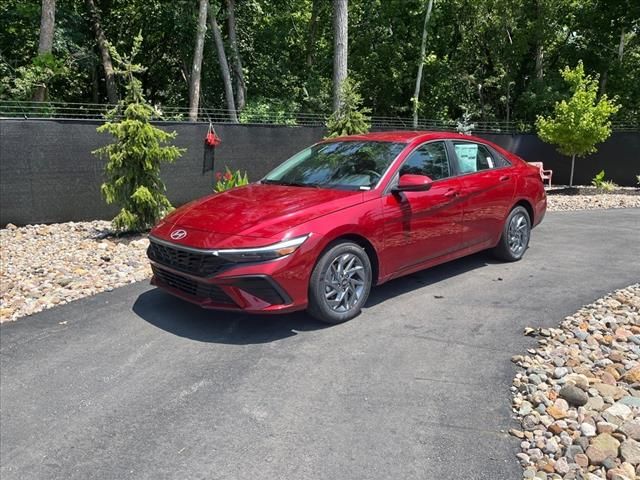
(405, 136)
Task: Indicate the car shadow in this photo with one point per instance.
(186, 320)
(429, 276)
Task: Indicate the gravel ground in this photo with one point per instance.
(46, 265)
(578, 398)
(590, 202)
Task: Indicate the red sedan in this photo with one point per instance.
(344, 215)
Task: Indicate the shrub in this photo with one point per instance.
(608, 186)
(603, 185)
(351, 118)
(133, 160)
(598, 180)
(229, 179)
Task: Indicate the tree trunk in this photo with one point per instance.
(241, 88)
(573, 162)
(313, 31)
(423, 49)
(621, 46)
(196, 68)
(340, 48)
(45, 45)
(540, 62)
(105, 56)
(224, 65)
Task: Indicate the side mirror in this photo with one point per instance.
(413, 183)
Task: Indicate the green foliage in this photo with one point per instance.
(581, 122)
(40, 72)
(598, 179)
(351, 118)
(133, 160)
(481, 55)
(608, 186)
(229, 179)
(262, 110)
(603, 185)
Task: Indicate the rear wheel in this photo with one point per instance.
(340, 283)
(515, 235)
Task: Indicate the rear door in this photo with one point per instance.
(488, 187)
(423, 225)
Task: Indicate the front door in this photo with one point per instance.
(420, 226)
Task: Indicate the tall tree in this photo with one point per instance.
(423, 49)
(241, 88)
(340, 48)
(45, 45)
(103, 47)
(196, 69)
(313, 32)
(224, 65)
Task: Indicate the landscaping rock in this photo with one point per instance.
(630, 452)
(580, 394)
(46, 265)
(574, 395)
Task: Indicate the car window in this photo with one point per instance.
(473, 157)
(429, 159)
(338, 164)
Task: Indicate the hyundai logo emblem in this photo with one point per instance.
(178, 234)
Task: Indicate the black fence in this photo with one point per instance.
(48, 174)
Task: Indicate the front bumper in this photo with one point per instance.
(276, 286)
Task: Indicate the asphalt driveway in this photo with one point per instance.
(137, 384)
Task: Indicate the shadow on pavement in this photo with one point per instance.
(190, 321)
(181, 318)
(429, 276)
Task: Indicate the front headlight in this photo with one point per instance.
(261, 254)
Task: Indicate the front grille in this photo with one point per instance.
(192, 287)
(198, 264)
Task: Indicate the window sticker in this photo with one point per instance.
(467, 154)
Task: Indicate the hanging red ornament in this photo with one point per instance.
(211, 138)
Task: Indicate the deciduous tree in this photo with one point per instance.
(581, 122)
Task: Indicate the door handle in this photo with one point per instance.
(451, 194)
(504, 178)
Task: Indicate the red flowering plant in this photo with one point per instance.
(229, 179)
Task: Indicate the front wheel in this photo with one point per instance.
(340, 283)
(515, 236)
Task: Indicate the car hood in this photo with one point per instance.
(260, 210)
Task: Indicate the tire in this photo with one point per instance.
(336, 297)
(515, 236)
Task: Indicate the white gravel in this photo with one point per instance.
(46, 265)
(560, 203)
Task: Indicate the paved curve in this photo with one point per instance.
(137, 384)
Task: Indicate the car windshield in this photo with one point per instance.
(348, 165)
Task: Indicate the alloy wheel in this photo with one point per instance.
(518, 234)
(344, 282)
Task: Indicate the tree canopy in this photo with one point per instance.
(484, 60)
